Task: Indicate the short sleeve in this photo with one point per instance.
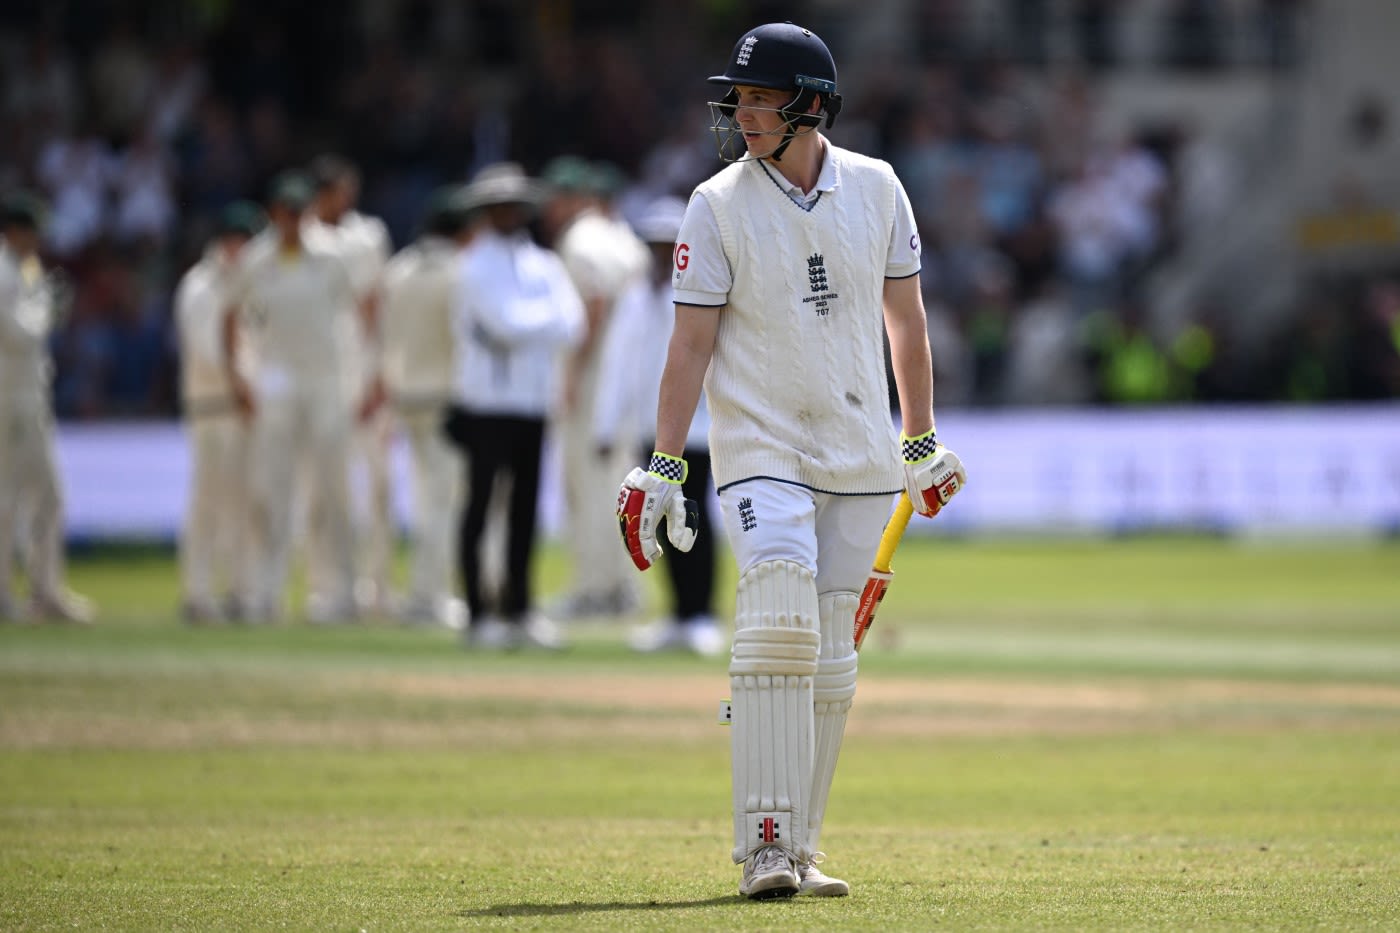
(700, 273)
(904, 255)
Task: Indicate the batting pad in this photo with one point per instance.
(832, 691)
(771, 670)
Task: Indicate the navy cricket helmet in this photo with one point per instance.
(784, 56)
(781, 57)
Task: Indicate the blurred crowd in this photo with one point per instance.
(139, 122)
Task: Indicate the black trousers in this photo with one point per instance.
(692, 573)
(504, 447)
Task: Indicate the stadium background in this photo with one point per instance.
(1187, 205)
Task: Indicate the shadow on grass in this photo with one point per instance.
(579, 907)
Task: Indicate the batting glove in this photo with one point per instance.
(932, 473)
(646, 497)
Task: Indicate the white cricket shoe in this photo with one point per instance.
(490, 633)
(324, 610)
(770, 872)
(539, 631)
(700, 635)
(816, 884)
(661, 635)
(704, 637)
(199, 612)
(62, 606)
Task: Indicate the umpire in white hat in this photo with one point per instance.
(515, 315)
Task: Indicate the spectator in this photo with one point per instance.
(143, 182)
(75, 169)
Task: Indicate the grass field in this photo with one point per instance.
(1138, 734)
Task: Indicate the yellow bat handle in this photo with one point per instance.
(894, 531)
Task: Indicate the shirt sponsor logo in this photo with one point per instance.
(682, 254)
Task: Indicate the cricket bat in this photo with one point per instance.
(882, 573)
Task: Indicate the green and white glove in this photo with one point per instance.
(933, 474)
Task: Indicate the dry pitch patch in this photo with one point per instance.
(519, 709)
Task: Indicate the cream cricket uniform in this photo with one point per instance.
(804, 452)
(214, 542)
(364, 243)
(604, 257)
(290, 304)
(31, 499)
(417, 294)
(629, 373)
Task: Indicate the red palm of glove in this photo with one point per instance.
(630, 503)
(933, 481)
(643, 501)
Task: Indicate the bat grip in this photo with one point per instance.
(894, 531)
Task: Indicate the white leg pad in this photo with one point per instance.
(771, 670)
(832, 692)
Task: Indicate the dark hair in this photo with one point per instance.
(328, 168)
(22, 209)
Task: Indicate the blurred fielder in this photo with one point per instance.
(792, 267)
(629, 380)
(603, 258)
(31, 496)
(287, 294)
(213, 542)
(364, 243)
(419, 365)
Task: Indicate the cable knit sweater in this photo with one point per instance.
(797, 386)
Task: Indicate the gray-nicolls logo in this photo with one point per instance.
(748, 521)
(816, 272)
(746, 50)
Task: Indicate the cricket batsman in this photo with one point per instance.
(31, 496)
(792, 267)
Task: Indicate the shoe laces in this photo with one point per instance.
(770, 858)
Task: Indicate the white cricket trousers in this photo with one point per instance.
(834, 536)
(371, 499)
(305, 432)
(436, 471)
(214, 543)
(31, 499)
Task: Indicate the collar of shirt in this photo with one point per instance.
(827, 180)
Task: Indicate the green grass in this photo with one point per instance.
(1141, 734)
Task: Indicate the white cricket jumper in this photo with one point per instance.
(416, 320)
(797, 387)
(200, 300)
